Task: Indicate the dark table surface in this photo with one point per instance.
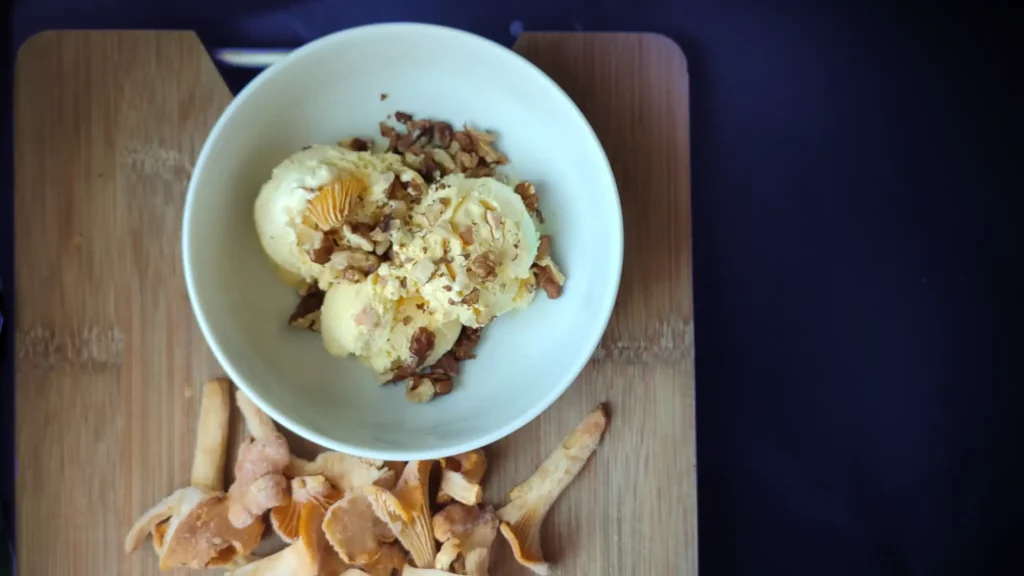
(854, 246)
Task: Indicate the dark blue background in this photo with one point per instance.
(854, 255)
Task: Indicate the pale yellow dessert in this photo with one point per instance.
(288, 222)
(402, 265)
(467, 250)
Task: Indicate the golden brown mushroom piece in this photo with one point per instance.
(530, 501)
(285, 518)
(346, 472)
(190, 527)
(406, 511)
(461, 476)
(354, 530)
(466, 531)
(259, 469)
(302, 558)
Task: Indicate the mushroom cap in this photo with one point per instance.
(354, 530)
(201, 535)
(285, 517)
(344, 471)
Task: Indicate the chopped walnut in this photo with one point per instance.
(419, 389)
(447, 364)
(397, 192)
(353, 275)
(392, 136)
(322, 255)
(466, 343)
(466, 160)
(484, 267)
(442, 382)
(480, 172)
(528, 193)
(422, 344)
(442, 134)
(464, 140)
(307, 312)
(547, 280)
(431, 171)
(466, 234)
(365, 262)
(544, 248)
(358, 145)
(405, 143)
(472, 298)
(482, 144)
(443, 160)
(403, 117)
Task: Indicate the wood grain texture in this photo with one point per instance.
(107, 125)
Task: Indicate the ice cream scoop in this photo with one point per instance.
(467, 251)
(310, 192)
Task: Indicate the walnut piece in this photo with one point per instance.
(528, 193)
(442, 134)
(307, 312)
(358, 145)
(419, 389)
(484, 267)
(322, 254)
(447, 364)
(365, 262)
(466, 343)
(544, 248)
(547, 280)
(422, 344)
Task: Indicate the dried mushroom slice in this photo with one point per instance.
(260, 484)
(530, 501)
(390, 561)
(212, 436)
(190, 527)
(449, 551)
(328, 208)
(285, 518)
(473, 529)
(407, 511)
(461, 475)
(345, 472)
(302, 558)
(354, 530)
(202, 537)
(455, 486)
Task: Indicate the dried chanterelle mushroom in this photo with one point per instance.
(259, 470)
(285, 518)
(530, 501)
(406, 511)
(302, 558)
(345, 472)
(190, 528)
(461, 476)
(465, 531)
(354, 530)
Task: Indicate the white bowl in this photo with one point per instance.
(331, 89)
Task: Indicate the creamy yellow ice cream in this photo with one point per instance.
(396, 258)
(467, 251)
(436, 278)
(282, 223)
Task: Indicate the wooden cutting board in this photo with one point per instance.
(109, 357)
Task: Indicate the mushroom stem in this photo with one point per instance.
(259, 425)
(212, 436)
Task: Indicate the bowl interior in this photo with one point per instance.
(332, 89)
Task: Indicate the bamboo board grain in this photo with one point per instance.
(107, 125)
